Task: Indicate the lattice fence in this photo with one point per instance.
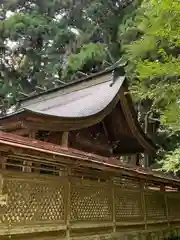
(173, 202)
(69, 200)
(155, 205)
(90, 201)
(128, 205)
(33, 201)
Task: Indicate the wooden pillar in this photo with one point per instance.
(64, 140)
(146, 160)
(132, 160)
(27, 165)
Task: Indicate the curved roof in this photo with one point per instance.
(83, 102)
(80, 105)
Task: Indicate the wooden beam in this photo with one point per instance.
(84, 143)
(10, 126)
(64, 140)
(21, 132)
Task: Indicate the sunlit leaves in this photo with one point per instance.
(44, 43)
(155, 54)
(94, 53)
(154, 59)
(171, 162)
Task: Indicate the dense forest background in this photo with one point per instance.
(44, 44)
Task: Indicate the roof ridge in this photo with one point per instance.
(89, 77)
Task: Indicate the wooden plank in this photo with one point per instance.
(28, 229)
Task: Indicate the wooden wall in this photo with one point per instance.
(66, 203)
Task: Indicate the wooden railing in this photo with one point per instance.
(73, 207)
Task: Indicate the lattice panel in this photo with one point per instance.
(155, 205)
(173, 201)
(128, 205)
(33, 201)
(90, 202)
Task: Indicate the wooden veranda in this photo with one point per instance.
(48, 192)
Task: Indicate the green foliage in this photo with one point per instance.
(33, 45)
(171, 161)
(44, 43)
(90, 54)
(154, 60)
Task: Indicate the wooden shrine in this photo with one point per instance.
(94, 115)
(70, 168)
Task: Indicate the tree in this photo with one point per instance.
(44, 43)
(154, 64)
(155, 56)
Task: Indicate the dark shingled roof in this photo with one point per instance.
(91, 94)
(83, 102)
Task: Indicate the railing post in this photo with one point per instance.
(143, 200)
(3, 160)
(68, 205)
(113, 208)
(162, 188)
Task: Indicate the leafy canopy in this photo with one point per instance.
(155, 56)
(154, 60)
(45, 43)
